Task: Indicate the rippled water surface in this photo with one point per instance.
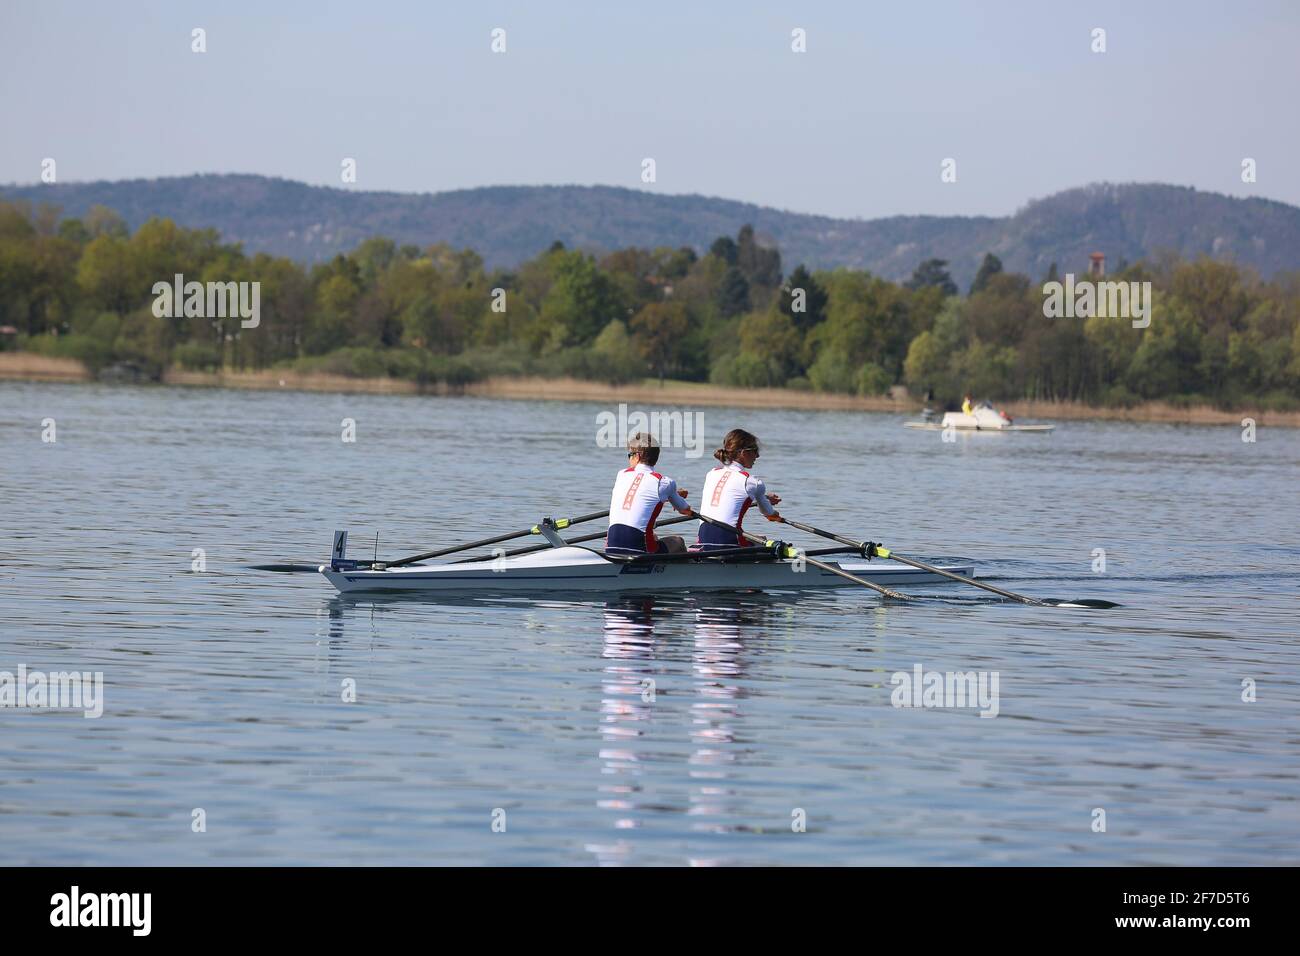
(224, 689)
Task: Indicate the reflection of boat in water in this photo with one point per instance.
(718, 660)
(627, 696)
(642, 608)
(644, 656)
(982, 418)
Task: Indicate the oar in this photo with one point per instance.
(884, 552)
(534, 548)
(535, 529)
(288, 568)
(793, 552)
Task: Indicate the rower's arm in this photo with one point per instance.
(670, 494)
(758, 492)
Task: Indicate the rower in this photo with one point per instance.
(730, 490)
(966, 406)
(639, 494)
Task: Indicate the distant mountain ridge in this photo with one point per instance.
(509, 224)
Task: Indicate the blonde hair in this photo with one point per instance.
(735, 441)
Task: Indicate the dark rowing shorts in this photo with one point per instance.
(625, 538)
(711, 536)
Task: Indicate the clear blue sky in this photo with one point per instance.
(857, 126)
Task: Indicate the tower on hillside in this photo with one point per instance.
(1097, 265)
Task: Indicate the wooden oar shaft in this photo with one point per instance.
(833, 569)
(494, 540)
(902, 559)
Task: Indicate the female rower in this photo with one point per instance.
(639, 495)
(730, 490)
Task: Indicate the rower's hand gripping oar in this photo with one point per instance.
(792, 552)
(869, 549)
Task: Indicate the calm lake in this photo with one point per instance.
(520, 731)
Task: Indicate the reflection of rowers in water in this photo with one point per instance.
(657, 668)
(626, 708)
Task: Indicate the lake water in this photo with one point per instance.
(224, 690)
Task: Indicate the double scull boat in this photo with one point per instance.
(585, 569)
(560, 566)
(565, 567)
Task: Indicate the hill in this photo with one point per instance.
(508, 224)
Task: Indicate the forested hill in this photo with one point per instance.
(510, 224)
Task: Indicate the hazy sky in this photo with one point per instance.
(856, 126)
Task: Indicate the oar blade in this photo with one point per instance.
(1086, 603)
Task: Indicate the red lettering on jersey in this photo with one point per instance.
(631, 492)
(717, 489)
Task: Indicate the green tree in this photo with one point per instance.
(832, 372)
(674, 263)
(102, 221)
(867, 320)
(732, 295)
(772, 338)
(108, 275)
(581, 299)
(985, 370)
(1004, 309)
(760, 263)
(933, 272)
(873, 380)
(803, 299)
(615, 354)
(330, 325)
(926, 366)
(990, 267)
(724, 248)
(660, 330)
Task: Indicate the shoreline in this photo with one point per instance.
(29, 367)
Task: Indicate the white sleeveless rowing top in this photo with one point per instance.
(729, 491)
(639, 494)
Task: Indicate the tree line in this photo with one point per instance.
(82, 288)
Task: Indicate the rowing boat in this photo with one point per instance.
(560, 566)
(568, 568)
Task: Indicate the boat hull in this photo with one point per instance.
(577, 569)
